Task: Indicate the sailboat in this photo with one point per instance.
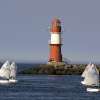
(91, 78)
(8, 73)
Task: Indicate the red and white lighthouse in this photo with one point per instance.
(55, 41)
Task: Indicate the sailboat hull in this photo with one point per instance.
(13, 81)
(93, 89)
(8, 81)
(4, 81)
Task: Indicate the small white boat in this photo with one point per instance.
(91, 78)
(8, 73)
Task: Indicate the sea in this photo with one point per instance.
(46, 87)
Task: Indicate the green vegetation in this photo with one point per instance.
(69, 69)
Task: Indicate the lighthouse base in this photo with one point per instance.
(56, 63)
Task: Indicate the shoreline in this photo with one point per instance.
(45, 69)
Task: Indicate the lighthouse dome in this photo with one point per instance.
(55, 25)
(56, 22)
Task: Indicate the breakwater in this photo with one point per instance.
(67, 69)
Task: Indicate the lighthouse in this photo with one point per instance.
(55, 44)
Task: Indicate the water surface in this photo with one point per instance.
(44, 87)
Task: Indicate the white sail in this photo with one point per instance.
(86, 70)
(92, 76)
(13, 69)
(5, 70)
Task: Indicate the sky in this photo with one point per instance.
(24, 29)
